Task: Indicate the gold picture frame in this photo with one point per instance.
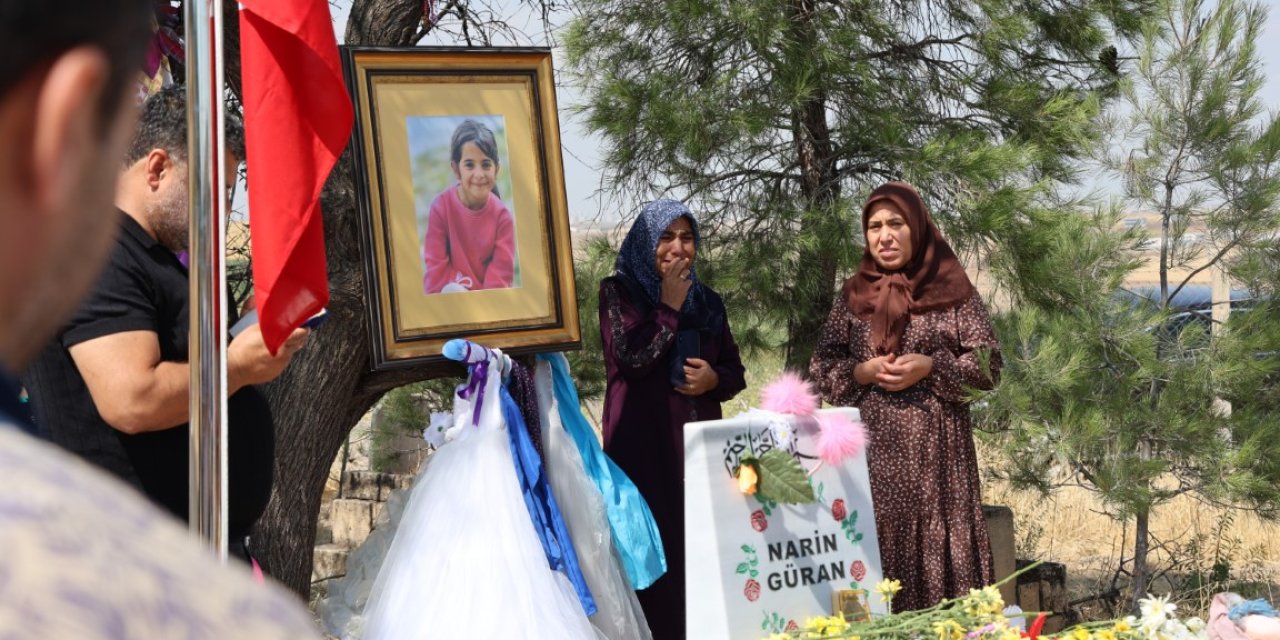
(463, 212)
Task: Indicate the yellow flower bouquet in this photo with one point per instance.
(981, 615)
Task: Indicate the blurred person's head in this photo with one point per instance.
(153, 187)
(67, 70)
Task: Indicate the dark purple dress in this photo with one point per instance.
(644, 421)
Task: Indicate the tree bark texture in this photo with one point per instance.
(820, 187)
(1141, 546)
(330, 385)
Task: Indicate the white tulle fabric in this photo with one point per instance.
(466, 561)
(618, 615)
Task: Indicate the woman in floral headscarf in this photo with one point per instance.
(670, 359)
(905, 340)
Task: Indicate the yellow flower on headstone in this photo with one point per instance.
(747, 479)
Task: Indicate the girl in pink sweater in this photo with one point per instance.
(470, 243)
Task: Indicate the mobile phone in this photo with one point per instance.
(251, 318)
(688, 345)
(247, 320)
(317, 319)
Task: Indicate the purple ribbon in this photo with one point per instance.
(475, 388)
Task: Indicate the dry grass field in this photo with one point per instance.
(1197, 549)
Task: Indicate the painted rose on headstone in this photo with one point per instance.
(758, 521)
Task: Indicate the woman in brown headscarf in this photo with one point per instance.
(907, 338)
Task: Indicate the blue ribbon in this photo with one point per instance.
(541, 503)
(635, 534)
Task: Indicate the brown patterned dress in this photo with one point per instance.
(924, 472)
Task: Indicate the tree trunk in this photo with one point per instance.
(329, 385)
(820, 189)
(1141, 542)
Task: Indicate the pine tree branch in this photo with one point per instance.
(1211, 262)
(907, 49)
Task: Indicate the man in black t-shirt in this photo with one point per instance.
(114, 384)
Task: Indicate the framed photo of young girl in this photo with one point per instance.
(463, 210)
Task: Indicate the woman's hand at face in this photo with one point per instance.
(699, 377)
(676, 283)
(904, 372)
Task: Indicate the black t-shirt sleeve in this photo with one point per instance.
(121, 301)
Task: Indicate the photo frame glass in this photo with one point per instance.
(461, 184)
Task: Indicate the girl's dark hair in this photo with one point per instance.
(472, 131)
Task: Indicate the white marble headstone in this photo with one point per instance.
(755, 567)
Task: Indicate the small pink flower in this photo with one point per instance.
(752, 590)
(858, 570)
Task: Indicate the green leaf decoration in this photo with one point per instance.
(743, 568)
(783, 479)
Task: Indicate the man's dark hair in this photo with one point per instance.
(34, 33)
(163, 125)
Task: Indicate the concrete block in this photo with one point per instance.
(329, 561)
(324, 534)
(1053, 597)
(362, 485)
(386, 484)
(352, 520)
(1001, 533)
(1029, 597)
(1054, 624)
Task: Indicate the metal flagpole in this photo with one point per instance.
(206, 178)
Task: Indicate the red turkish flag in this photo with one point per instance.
(297, 122)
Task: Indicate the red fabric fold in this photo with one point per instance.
(297, 122)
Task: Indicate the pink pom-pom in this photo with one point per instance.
(839, 437)
(789, 394)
